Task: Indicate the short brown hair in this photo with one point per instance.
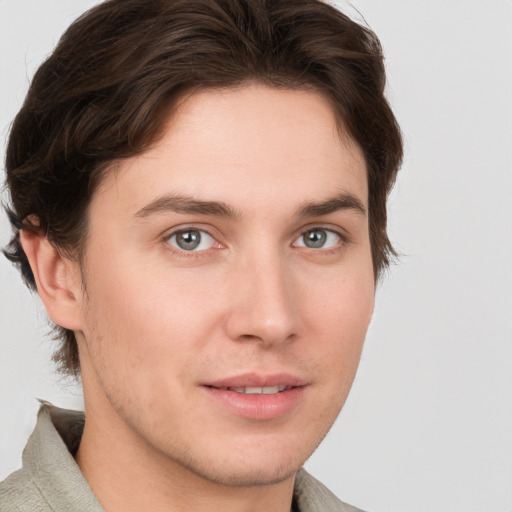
(106, 89)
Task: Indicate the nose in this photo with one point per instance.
(263, 304)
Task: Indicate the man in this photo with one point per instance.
(198, 194)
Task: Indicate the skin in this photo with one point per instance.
(154, 322)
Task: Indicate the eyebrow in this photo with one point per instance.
(178, 203)
(343, 201)
(184, 204)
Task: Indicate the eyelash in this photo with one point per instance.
(344, 240)
(338, 247)
(182, 252)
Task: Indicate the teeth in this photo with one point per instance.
(268, 390)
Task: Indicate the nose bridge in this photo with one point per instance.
(264, 307)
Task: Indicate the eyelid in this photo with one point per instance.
(169, 233)
(338, 230)
(180, 228)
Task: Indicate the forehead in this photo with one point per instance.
(243, 146)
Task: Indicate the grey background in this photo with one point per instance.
(428, 426)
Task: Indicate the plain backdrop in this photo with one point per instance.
(428, 426)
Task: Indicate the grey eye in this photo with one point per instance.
(191, 240)
(188, 240)
(315, 239)
(318, 239)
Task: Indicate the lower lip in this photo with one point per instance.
(257, 407)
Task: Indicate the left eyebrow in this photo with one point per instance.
(344, 201)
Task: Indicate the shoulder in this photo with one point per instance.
(312, 496)
(50, 479)
(19, 493)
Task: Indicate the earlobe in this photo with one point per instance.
(57, 280)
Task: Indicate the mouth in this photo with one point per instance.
(255, 383)
(254, 390)
(257, 397)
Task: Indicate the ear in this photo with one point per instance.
(57, 278)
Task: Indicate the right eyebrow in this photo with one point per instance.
(178, 203)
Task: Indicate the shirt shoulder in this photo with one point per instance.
(313, 496)
(50, 479)
(19, 493)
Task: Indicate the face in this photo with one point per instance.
(229, 285)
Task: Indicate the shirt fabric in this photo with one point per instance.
(50, 479)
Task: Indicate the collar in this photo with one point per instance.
(48, 459)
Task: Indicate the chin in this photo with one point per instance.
(259, 462)
(246, 476)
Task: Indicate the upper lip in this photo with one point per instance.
(258, 381)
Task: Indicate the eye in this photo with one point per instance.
(318, 238)
(191, 240)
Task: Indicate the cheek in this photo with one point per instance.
(141, 330)
(145, 313)
(339, 313)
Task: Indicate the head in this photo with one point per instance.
(132, 82)
(118, 72)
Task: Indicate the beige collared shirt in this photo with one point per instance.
(50, 479)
